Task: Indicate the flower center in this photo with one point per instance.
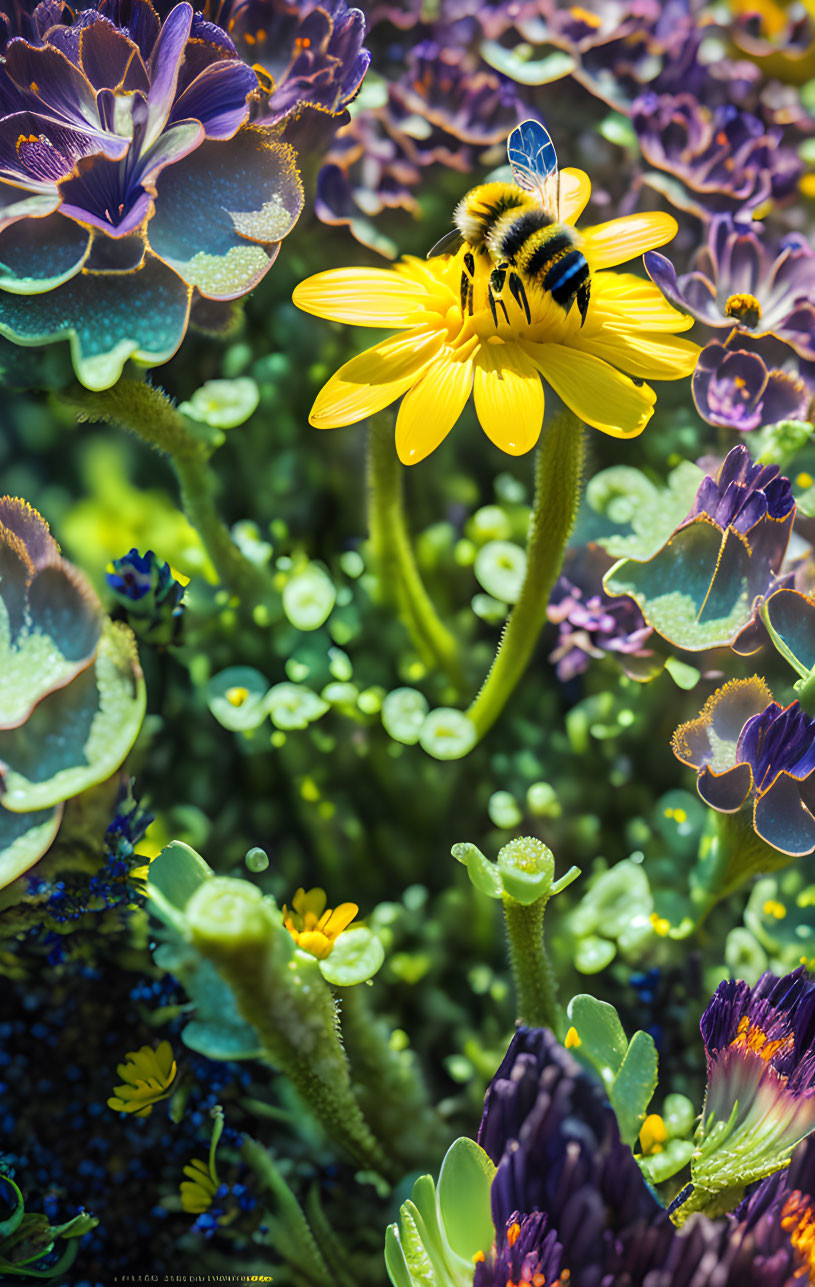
(744, 309)
(750, 1037)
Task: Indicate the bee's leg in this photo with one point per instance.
(497, 278)
(519, 294)
(467, 276)
(583, 295)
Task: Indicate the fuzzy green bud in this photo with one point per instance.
(527, 868)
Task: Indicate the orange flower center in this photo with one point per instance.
(750, 1037)
(798, 1220)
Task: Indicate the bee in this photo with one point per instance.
(518, 226)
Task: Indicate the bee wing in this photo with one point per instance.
(447, 244)
(533, 159)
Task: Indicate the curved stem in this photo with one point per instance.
(146, 412)
(399, 577)
(557, 496)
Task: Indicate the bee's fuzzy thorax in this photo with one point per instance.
(477, 212)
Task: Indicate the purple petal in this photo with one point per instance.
(782, 819)
(48, 77)
(217, 98)
(164, 68)
(110, 60)
(725, 792)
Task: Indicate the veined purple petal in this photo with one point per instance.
(51, 80)
(164, 68)
(217, 98)
(18, 203)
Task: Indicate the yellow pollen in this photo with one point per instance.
(750, 1037)
(773, 908)
(478, 1257)
(744, 308)
(237, 696)
(659, 923)
(572, 1040)
(513, 1233)
(798, 1220)
(740, 382)
(583, 15)
(805, 480)
(653, 1134)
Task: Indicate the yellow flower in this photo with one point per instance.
(313, 926)
(441, 355)
(198, 1191)
(148, 1076)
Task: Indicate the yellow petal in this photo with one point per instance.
(316, 943)
(313, 901)
(362, 297)
(508, 397)
(619, 240)
(596, 393)
(166, 1063)
(634, 303)
(431, 408)
(575, 190)
(340, 919)
(649, 357)
(374, 379)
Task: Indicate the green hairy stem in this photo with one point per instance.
(558, 476)
(147, 412)
(532, 973)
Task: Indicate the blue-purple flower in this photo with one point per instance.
(572, 1199)
(701, 588)
(760, 1098)
(734, 388)
(132, 180)
(726, 159)
(591, 623)
(150, 594)
(750, 751)
(736, 282)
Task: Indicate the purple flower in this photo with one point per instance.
(475, 107)
(367, 171)
(311, 53)
(527, 1251)
(727, 159)
(571, 1198)
(747, 748)
(590, 622)
(737, 282)
(131, 180)
(733, 388)
(760, 1098)
(746, 496)
(149, 592)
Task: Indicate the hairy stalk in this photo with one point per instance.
(146, 412)
(293, 1237)
(289, 1005)
(387, 1084)
(558, 476)
(532, 973)
(399, 576)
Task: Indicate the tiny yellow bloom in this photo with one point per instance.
(661, 926)
(315, 927)
(441, 354)
(198, 1191)
(572, 1039)
(148, 1076)
(653, 1134)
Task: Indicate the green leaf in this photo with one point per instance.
(538, 71)
(79, 735)
(633, 1087)
(222, 1040)
(658, 1167)
(602, 1039)
(395, 1262)
(24, 838)
(697, 591)
(173, 877)
(11, 1222)
(355, 957)
(683, 675)
(483, 873)
(237, 698)
(464, 1198)
(651, 513)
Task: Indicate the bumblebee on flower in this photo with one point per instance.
(455, 341)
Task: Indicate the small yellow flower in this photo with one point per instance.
(198, 1191)
(441, 355)
(148, 1076)
(653, 1135)
(313, 926)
